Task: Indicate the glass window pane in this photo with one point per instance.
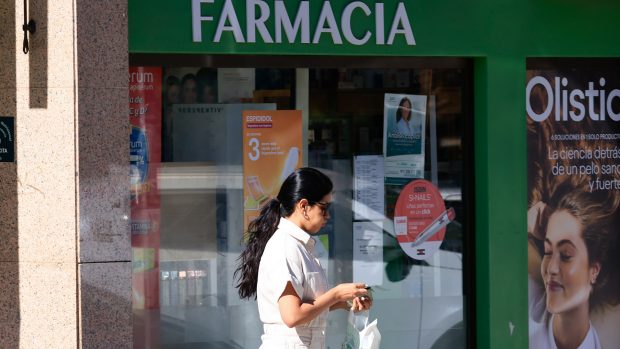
(198, 213)
(417, 301)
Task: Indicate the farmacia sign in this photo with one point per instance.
(273, 23)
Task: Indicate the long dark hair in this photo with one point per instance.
(304, 183)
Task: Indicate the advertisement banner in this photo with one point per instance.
(420, 219)
(145, 109)
(573, 139)
(196, 127)
(404, 125)
(272, 149)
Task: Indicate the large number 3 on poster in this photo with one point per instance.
(254, 144)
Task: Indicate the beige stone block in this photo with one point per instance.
(104, 175)
(45, 155)
(61, 46)
(105, 305)
(38, 305)
(50, 61)
(102, 43)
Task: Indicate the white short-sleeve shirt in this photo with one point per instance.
(289, 256)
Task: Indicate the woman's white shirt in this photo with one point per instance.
(289, 257)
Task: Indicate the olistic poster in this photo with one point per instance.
(573, 217)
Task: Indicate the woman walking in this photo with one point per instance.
(279, 268)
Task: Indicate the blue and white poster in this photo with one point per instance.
(404, 124)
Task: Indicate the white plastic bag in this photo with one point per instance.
(361, 334)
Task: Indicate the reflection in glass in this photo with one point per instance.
(418, 303)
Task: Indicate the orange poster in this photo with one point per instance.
(272, 144)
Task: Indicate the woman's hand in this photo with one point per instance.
(294, 312)
(347, 292)
(361, 303)
(352, 296)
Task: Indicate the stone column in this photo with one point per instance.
(65, 251)
(104, 257)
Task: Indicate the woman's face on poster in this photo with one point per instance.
(189, 91)
(208, 94)
(173, 94)
(565, 268)
(406, 110)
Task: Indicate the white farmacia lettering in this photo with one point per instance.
(302, 21)
(401, 25)
(254, 23)
(197, 19)
(380, 25)
(595, 101)
(327, 17)
(259, 13)
(228, 15)
(346, 23)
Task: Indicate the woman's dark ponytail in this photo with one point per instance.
(259, 232)
(304, 183)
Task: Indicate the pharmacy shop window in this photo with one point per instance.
(355, 133)
(204, 128)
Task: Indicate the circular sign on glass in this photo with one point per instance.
(420, 219)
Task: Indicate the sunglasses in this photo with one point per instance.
(324, 207)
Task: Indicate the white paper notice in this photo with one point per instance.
(235, 85)
(368, 252)
(368, 189)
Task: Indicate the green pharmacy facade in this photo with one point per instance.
(479, 77)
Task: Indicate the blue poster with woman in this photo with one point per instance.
(403, 143)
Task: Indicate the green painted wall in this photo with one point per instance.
(501, 202)
(499, 36)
